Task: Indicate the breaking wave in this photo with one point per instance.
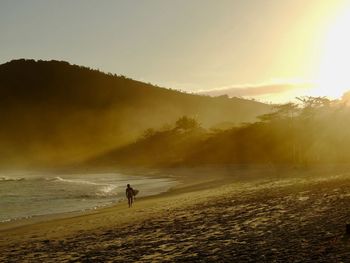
(11, 179)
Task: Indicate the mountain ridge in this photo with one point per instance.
(54, 113)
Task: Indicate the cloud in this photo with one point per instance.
(255, 90)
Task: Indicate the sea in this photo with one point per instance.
(24, 195)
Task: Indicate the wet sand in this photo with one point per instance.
(205, 219)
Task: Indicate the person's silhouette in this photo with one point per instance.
(129, 192)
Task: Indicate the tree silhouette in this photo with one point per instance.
(186, 123)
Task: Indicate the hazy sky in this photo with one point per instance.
(190, 45)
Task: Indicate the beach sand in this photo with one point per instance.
(208, 217)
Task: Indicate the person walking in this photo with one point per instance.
(129, 192)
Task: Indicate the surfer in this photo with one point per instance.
(129, 194)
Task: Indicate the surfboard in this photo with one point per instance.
(136, 192)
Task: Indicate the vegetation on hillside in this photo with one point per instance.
(55, 113)
(313, 131)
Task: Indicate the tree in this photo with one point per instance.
(281, 112)
(313, 105)
(186, 123)
(148, 133)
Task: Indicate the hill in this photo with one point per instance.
(54, 113)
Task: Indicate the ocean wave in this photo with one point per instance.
(96, 189)
(94, 196)
(50, 179)
(76, 181)
(108, 188)
(103, 189)
(11, 179)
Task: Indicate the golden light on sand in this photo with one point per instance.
(333, 77)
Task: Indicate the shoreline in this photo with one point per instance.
(215, 217)
(185, 179)
(197, 181)
(35, 219)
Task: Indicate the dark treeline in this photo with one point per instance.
(313, 131)
(52, 112)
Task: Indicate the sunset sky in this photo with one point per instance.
(271, 50)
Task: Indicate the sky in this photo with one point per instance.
(236, 47)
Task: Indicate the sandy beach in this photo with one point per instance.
(208, 217)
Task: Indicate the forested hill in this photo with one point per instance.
(55, 113)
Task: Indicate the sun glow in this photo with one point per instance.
(333, 77)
